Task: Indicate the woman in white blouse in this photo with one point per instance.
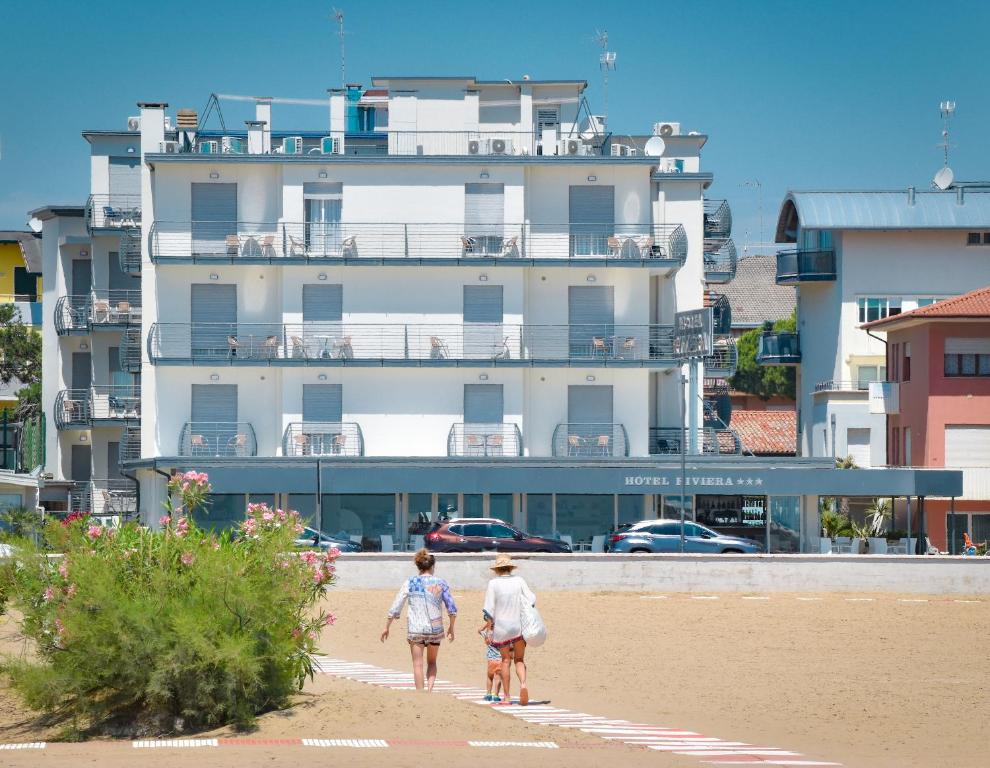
(503, 612)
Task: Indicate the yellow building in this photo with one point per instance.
(20, 284)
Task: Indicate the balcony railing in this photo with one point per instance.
(129, 252)
(718, 218)
(836, 385)
(590, 440)
(720, 260)
(721, 364)
(130, 350)
(97, 406)
(345, 343)
(779, 348)
(98, 309)
(667, 441)
(217, 438)
(113, 497)
(484, 440)
(113, 211)
(323, 438)
(721, 313)
(801, 266)
(657, 245)
(130, 443)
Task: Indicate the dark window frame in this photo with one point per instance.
(960, 371)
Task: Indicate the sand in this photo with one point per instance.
(866, 680)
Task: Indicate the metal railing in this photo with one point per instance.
(718, 218)
(76, 408)
(323, 438)
(101, 308)
(273, 242)
(779, 348)
(667, 441)
(484, 440)
(113, 211)
(721, 313)
(719, 259)
(129, 252)
(836, 385)
(798, 266)
(130, 350)
(130, 443)
(721, 364)
(113, 497)
(342, 343)
(217, 438)
(590, 440)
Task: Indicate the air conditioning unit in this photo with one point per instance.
(666, 129)
(292, 145)
(168, 124)
(232, 145)
(620, 150)
(501, 146)
(170, 147)
(570, 147)
(474, 147)
(134, 123)
(209, 148)
(331, 145)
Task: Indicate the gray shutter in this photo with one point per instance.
(82, 370)
(591, 211)
(590, 314)
(214, 403)
(118, 279)
(113, 461)
(125, 180)
(323, 303)
(589, 404)
(214, 216)
(483, 404)
(484, 216)
(113, 357)
(214, 317)
(323, 403)
(81, 462)
(82, 276)
(482, 320)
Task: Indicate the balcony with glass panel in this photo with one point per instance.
(719, 259)
(101, 406)
(805, 266)
(97, 310)
(218, 439)
(323, 438)
(779, 348)
(105, 498)
(484, 440)
(669, 441)
(590, 441)
(657, 246)
(721, 364)
(718, 219)
(411, 344)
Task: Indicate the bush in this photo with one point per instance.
(150, 631)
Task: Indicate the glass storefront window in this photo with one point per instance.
(744, 516)
(447, 505)
(420, 513)
(630, 509)
(225, 510)
(305, 505)
(672, 507)
(582, 517)
(785, 524)
(500, 506)
(262, 498)
(539, 514)
(474, 505)
(369, 516)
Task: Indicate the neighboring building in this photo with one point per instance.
(858, 257)
(938, 405)
(20, 274)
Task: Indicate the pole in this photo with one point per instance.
(922, 546)
(908, 526)
(683, 454)
(952, 525)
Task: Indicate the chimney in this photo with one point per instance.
(959, 196)
(910, 195)
(263, 114)
(338, 102)
(152, 126)
(256, 136)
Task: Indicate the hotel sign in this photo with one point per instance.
(694, 481)
(693, 334)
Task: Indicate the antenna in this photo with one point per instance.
(338, 16)
(946, 110)
(606, 62)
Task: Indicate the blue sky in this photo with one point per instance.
(839, 94)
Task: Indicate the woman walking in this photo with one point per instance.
(503, 610)
(428, 596)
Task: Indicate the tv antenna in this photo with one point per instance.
(943, 179)
(338, 17)
(606, 63)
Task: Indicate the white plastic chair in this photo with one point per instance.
(824, 545)
(387, 545)
(878, 546)
(854, 546)
(907, 546)
(357, 540)
(567, 539)
(842, 544)
(417, 542)
(598, 543)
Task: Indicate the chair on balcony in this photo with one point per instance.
(238, 445)
(110, 216)
(298, 348)
(645, 245)
(474, 445)
(574, 444)
(101, 311)
(296, 247)
(122, 311)
(348, 246)
(270, 346)
(268, 246)
(628, 348)
(614, 246)
(197, 446)
(233, 245)
(495, 445)
(301, 444)
(468, 245)
(510, 247)
(438, 349)
(598, 346)
(342, 349)
(339, 444)
(116, 405)
(603, 445)
(232, 346)
(501, 350)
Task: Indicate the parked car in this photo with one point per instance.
(310, 537)
(485, 534)
(665, 536)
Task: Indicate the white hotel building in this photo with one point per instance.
(457, 299)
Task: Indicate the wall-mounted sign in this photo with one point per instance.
(693, 334)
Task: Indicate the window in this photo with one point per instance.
(867, 373)
(927, 301)
(476, 529)
(906, 368)
(672, 528)
(967, 357)
(976, 524)
(978, 238)
(895, 444)
(871, 309)
(502, 532)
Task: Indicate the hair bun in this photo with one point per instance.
(424, 559)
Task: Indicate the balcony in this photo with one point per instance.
(801, 266)
(720, 260)
(130, 443)
(484, 440)
(718, 219)
(217, 438)
(323, 438)
(129, 252)
(667, 441)
(113, 211)
(835, 385)
(103, 406)
(399, 344)
(721, 364)
(114, 497)
(111, 310)
(590, 441)
(721, 313)
(779, 348)
(660, 246)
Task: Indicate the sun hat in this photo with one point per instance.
(503, 562)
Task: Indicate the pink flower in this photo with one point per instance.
(185, 487)
(94, 531)
(187, 558)
(317, 577)
(268, 516)
(216, 545)
(309, 558)
(49, 595)
(311, 635)
(71, 591)
(63, 569)
(281, 515)
(329, 620)
(59, 628)
(182, 527)
(296, 632)
(333, 553)
(164, 521)
(248, 526)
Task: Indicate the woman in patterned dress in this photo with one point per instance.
(428, 596)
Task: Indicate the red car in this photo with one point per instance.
(486, 534)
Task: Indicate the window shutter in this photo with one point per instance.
(858, 446)
(482, 303)
(323, 402)
(967, 346)
(82, 276)
(214, 403)
(484, 210)
(214, 216)
(213, 313)
(967, 446)
(125, 180)
(483, 404)
(591, 211)
(589, 404)
(82, 370)
(323, 303)
(590, 314)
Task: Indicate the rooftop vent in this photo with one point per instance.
(187, 119)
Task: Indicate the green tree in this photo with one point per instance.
(20, 358)
(764, 381)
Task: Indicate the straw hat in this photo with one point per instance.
(503, 562)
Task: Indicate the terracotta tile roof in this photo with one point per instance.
(973, 304)
(754, 294)
(766, 433)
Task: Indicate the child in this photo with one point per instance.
(494, 662)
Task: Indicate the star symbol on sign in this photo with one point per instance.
(759, 481)
(749, 481)
(739, 481)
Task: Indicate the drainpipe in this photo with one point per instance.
(319, 494)
(166, 475)
(137, 497)
(886, 416)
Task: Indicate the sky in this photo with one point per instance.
(841, 94)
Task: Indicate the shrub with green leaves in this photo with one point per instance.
(155, 631)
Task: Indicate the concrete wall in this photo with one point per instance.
(689, 573)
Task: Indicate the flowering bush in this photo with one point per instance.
(152, 631)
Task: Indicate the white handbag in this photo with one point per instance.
(534, 631)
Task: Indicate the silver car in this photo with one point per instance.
(665, 536)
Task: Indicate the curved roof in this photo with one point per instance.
(957, 208)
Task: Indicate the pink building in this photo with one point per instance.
(938, 364)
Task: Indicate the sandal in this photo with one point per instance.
(523, 696)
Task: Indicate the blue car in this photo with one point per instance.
(665, 536)
(310, 537)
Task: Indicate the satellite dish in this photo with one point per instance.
(654, 146)
(943, 179)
